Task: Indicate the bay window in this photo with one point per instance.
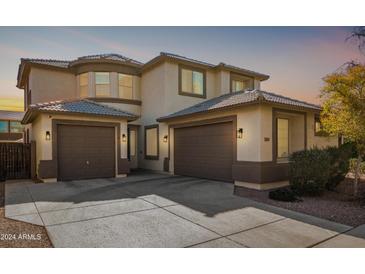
(84, 85)
(125, 86)
(102, 84)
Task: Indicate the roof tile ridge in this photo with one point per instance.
(108, 107)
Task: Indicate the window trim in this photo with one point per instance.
(95, 84)
(192, 68)
(150, 157)
(239, 77)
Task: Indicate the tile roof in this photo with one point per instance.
(81, 106)
(239, 98)
(183, 58)
(49, 62)
(11, 115)
(109, 56)
(220, 65)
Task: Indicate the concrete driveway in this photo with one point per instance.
(157, 210)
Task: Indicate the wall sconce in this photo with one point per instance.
(240, 133)
(165, 138)
(124, 138)
(48, 135)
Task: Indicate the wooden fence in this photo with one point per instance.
(15, 159)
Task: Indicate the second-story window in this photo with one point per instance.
(102, 84)
(240, 82)
(84, 84)
(125, 86)
(192, 82)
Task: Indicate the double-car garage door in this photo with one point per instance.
(204, 151)
(85, 152)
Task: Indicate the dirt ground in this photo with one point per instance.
(337, 206)
(19, 234)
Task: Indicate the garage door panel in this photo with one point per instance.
(85, 152)
(204, 151)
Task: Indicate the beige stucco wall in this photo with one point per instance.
(152, 94)
(160, 97)
(257, 124)
(43, 123)
(50, 85)
(222, 82)
(248, 118)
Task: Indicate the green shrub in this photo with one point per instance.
(309, 171)
(283, 194)
(352, 164)
(339, 164)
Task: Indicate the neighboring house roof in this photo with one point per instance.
(80, 106)
(237, 99)
(11, 115)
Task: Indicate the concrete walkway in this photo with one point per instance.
(156, 210)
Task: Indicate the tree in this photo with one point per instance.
(344, 107)
(358, 33)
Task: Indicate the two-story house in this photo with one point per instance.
(101, 115)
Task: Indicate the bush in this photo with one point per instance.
(283, 194)
(352, 164)
(339, 164)
(309, 171)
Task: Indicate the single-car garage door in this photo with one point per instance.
(204, 151)
(85, 152)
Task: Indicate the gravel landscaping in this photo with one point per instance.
(19, 234)
(337, 206)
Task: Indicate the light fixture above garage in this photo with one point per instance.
(165, 138)
(48, 135)
(124, 138)
(240, 133)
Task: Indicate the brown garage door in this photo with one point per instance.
(204, 151)
(85, 152)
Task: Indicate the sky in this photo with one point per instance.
(296, 58)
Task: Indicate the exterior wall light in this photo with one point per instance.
(124, 138)
(165, 138)
(48, 135)
(240, 133)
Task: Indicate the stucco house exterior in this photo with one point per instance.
(103, 115)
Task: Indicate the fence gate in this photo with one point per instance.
(15, 159)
